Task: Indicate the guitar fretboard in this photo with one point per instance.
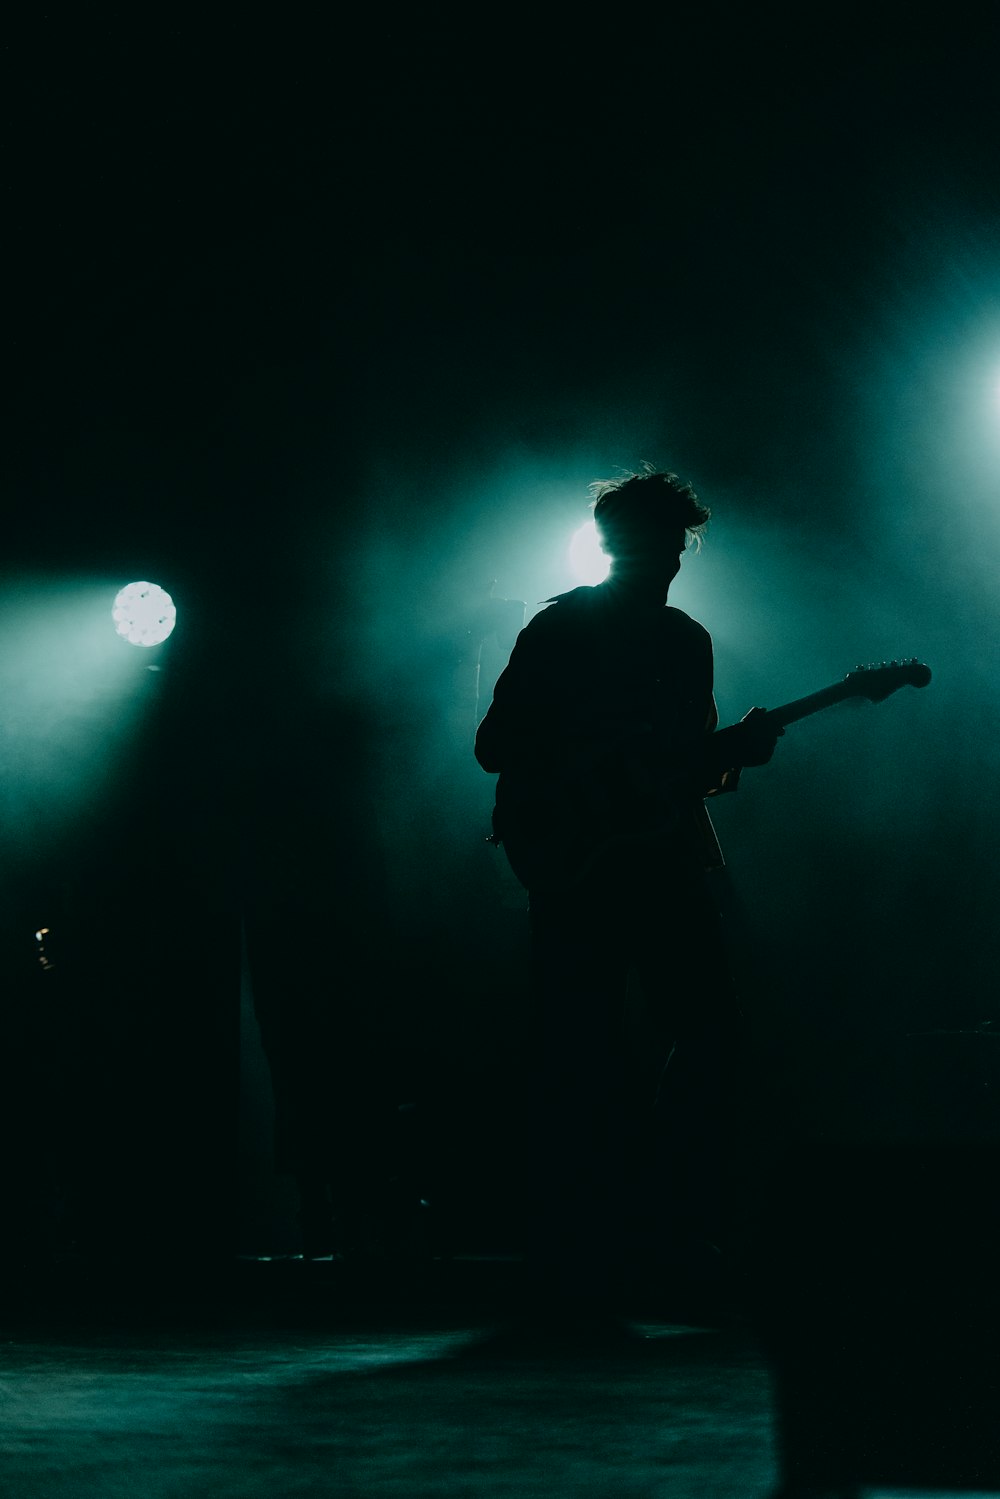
(803, 706)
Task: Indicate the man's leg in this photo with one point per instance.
(696, 1116)
(579, 1121)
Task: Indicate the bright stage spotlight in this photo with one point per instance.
(588, 562)
(143, 613)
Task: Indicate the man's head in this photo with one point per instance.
(644, 521)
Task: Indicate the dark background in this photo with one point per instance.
(326, 327)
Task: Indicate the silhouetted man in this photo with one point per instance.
(604, 732)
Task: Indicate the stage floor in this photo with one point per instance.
(282, 1379)
(290, 1381)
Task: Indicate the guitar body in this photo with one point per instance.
(555, 858)
(555, 838)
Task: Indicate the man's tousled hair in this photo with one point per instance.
(637, 499)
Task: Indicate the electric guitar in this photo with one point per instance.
(876, 683)
(559, 855)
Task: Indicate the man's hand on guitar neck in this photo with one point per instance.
(752, 741)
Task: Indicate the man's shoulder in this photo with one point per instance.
(563, 609)
(586, 593)
(591, 604)
(681, 623)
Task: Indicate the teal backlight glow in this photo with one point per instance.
(588, 562)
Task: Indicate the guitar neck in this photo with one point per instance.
(803, 706)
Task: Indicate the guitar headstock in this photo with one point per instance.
(877, 682)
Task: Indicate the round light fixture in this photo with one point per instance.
(143, 613)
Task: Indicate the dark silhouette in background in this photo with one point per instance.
(603, 730)
(314, 914)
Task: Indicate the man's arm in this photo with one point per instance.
(716, 778)
(499, 733)
(750, 742)
(517, 720)
(727, 752)
(489, 741)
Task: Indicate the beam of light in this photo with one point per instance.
(588, 563)
(144, 613)
(72, 702)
